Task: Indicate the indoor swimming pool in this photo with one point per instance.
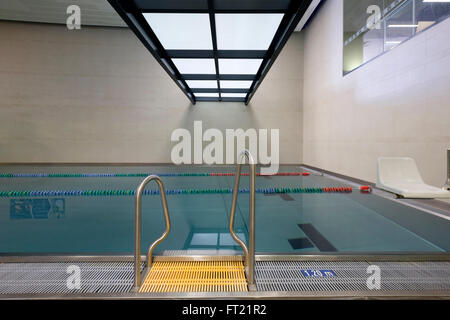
(90, 210)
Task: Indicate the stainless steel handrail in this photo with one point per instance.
(137, 227)
(250, 252)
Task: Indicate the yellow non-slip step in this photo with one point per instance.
(195, 276)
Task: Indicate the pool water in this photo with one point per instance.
(285, 223)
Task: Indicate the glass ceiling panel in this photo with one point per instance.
(239, 66)
(235, 84)
(195, 66)
(178, 31)
(207, 95)
(234, 95)
(200, 84)
(246, 31)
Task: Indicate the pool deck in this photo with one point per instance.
(276, 278)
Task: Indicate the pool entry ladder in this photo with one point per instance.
(193, 274)
(249, 253)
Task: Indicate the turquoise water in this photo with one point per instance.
(341, 223)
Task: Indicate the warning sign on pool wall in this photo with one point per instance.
(37, 208)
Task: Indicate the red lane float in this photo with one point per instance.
(338, 189)
(286, 174)
(212, 174)
(365, 189)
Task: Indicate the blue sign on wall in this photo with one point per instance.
(318, 273)
(37, 208)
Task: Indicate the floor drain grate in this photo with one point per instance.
(351, 276)
(51, 278)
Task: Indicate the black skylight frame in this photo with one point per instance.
(132, 11)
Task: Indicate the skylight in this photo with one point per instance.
(209, 95)
(214, 50)
(233, 95)
(246, 31)
(202, 84)
(195, 66)
(235, 84)
(239, 66)
(181, 31)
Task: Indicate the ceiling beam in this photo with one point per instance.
(214, 90)
(287, 26)
(212, 23)
(137, 23)
(221, 54)
(225, 99)
(249, 77)
(220, 6)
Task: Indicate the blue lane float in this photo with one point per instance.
(121, 175)
(90, 193)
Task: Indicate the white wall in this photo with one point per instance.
(395, 105)
(97, 95)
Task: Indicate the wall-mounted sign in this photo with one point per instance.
(37, 208)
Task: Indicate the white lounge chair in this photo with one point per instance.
(401, 176)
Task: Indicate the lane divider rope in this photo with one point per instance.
(108, 175)
(272, 190)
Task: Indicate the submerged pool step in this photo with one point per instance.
(195, 276)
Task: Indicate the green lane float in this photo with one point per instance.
(94, 193)
(116, 175)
